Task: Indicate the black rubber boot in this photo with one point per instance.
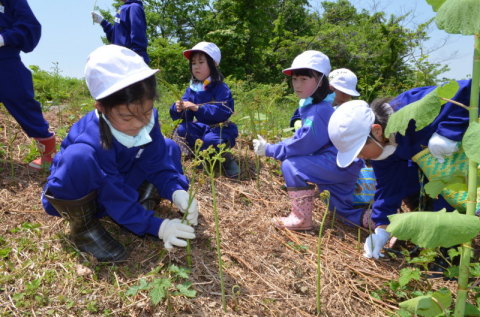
(148, 196)
(86, 231)
(230, 166)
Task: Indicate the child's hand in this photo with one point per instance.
(173, 231)
(185, 105)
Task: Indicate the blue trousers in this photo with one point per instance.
(322, 170)
(17, 94)
(193, 131)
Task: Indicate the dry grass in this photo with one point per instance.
(268, 272)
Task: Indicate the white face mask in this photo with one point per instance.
(388, 149)
(142, 138)
(200, 86)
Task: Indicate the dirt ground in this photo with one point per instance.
(268, 272)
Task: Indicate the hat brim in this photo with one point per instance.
(350, 92)
(344, 159)
(127, 82)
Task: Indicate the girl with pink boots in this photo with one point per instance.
(309, 158)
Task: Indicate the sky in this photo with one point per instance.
(68, 34)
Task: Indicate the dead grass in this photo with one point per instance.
(268, 272)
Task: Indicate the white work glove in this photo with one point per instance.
(171, 230)
(440, 147)
(259, 145)
(180, 199)
(97, 17)
(2, 42)
(375, 243)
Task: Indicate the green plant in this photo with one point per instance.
(160, 288)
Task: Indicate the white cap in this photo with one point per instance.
(208, 48)
(344, 80)
(110, 68)
(348, 129)
(310, 60)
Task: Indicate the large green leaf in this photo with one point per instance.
(459, 17)
(423, 111)
(428, 305)
(434, 229)
(436, 4)
(470, 141)
(471, 310)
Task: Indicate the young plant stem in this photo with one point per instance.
(319, 254)
(466, 251)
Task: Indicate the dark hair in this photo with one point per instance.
(145, 89)
(382, 109)
(215, 74)
(323, 89)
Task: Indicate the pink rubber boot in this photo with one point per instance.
(300, 217)
(47, 149)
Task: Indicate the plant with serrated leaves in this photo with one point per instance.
(161, 288)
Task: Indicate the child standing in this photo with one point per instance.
(129, 29)
(207, 105)
(309, 156)
(110, 152)
(20, 31)
(357, 130)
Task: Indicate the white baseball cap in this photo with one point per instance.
(348, 129)
(112, 67)
(208, 48)
(311, 60)
(344, 80)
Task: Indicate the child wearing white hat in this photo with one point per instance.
(309, 157)
(357, 130)
(110, 152)
(343, 84)
(207, 105)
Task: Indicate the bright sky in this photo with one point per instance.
(68, 34)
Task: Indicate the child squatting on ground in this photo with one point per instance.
(309, 156)
(110, 152)
(206, 106)
(357, 130)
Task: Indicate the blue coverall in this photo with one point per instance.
(129, 29)
(309, 156)
(21, 31)
(397, 176)
(83, 166)
(204, 123)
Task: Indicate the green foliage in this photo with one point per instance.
(429, 305)
(443, 229)
(407, 275)
(470, 142)
(423, 111)
(160, 288)
(459, 17)
(436, 4)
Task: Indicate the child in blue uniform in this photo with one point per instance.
(110, 152)
(129, 28)
(309, 156)
(20, 31)
(207, 105)
(358, 130)
(343, 84)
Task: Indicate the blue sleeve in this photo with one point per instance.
(295, 117)
(185, 115)
(19, 27)
(212, 113)
(117, 198)
(138, 28)
(396, 180)
(310, 138)
(159, 167)
(108, 29)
